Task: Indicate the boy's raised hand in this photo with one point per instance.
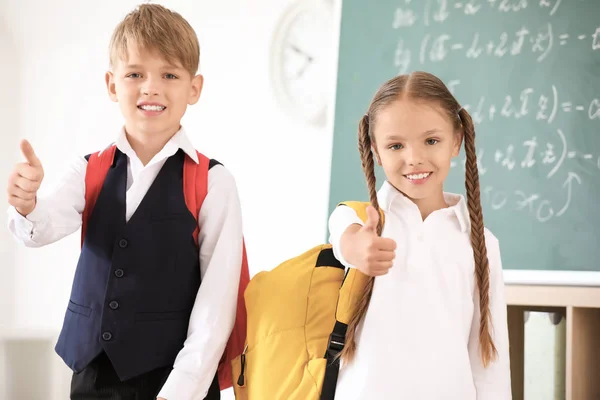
(25, 180)
(371, 254)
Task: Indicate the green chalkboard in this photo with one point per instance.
(528, 71)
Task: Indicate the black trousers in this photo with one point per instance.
(100, 381)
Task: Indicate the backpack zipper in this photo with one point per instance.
(240, 380)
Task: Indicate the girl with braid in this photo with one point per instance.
(432, 321)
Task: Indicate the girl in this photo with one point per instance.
(433, 324)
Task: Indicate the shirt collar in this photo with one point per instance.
(458, 206)
(179, 140)
(389, 195)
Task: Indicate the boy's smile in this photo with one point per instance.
(150, 109)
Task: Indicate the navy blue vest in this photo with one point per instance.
(136, 282)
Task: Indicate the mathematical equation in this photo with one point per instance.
(540, 42)
(545, 155)
(438, 11)
(542, 209)
(534, 153)
(543, 106)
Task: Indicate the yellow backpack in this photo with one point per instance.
(298, 314)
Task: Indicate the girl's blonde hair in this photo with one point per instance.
(422, 86)
(153, 27)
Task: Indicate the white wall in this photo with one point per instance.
(10, 127)
(55, 97)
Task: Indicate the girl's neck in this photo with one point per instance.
(430, 204)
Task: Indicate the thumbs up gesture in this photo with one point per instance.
(25, 180)
(366, 250)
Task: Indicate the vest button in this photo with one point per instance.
(107, 336)
(123, 243)
(119, 273)
(113, 304)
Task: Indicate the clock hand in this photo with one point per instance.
(304, 67)
(299, 51)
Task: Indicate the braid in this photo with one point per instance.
(368, 165)
(482, 270)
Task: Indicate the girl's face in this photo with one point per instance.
(414, 143)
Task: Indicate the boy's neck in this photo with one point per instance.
(147, 146)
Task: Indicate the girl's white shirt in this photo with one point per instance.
(419, 339)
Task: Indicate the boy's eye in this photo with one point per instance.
(431, 142)
(134, 75)
(395, 147)
(170, 76)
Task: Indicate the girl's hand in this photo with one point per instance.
(362, 247)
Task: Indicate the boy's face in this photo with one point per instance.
(152, 93)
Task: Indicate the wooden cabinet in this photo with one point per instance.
(581, 306)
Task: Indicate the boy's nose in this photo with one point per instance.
(151, 87)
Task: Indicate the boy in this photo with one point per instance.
(138, 324)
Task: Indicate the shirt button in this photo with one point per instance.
(113, 304)
(119, 273)
(123, 243)
(107, 336)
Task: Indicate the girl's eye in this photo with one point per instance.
(395, 147)
(431, 142)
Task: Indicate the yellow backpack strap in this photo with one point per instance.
(350, 294)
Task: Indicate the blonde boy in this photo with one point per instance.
(150, 311)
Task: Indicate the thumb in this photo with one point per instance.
(372, 219)
(29, 154)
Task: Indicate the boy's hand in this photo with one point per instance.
(363, 248)
(25, 180)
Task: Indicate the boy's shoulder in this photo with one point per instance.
(110, 148)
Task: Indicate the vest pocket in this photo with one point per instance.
(79, 309)
(169, 216)
(160, 316)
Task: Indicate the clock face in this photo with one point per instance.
(302, 51)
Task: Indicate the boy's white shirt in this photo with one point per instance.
(59, 214)
(419, 338)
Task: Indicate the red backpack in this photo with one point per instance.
(195, 188)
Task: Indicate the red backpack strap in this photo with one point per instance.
(237, 339)
(95, 173)
(195, 187)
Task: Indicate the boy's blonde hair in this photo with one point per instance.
(153, 27)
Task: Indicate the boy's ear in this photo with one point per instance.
(196, 89)
(110, 86)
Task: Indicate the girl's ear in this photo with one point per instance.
(376, 154)
(458, 139)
